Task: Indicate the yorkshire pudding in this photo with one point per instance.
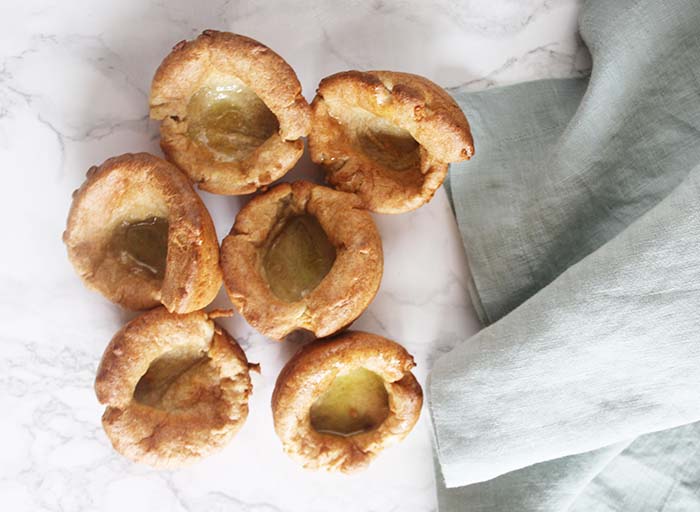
(176, 388)
(338, 403)
(232, 112)
(140, 235)
(387, 137)
(302, 256)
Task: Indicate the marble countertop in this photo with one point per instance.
(74, 80)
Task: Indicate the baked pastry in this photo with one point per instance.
(302, 256)
(140, 235)
(232, 112)
(176, 388)
(338, 403)
(387, 137)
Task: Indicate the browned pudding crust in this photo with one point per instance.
(232, 112)
(313, 380)
(140, 235)
(302, 256)
(176, 388)
(387, 137)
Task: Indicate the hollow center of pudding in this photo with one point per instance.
(172, 378)
(231, 120)
(388, 144)
(298, 258)
(355, 402)
(142, 246)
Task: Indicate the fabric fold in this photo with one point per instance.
(579, 219)
(543, 487)
(615, 361)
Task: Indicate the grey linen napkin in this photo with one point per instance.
(580, 216)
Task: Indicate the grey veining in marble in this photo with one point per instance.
(74, 80)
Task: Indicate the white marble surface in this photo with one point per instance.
(74, 78)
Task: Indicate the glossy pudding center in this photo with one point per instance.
(298, 258)
(171, 378)
(142, 246)
(356, 402)
(231, 120)
(388, 144)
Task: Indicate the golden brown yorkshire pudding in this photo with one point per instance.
(387, 137)
(176, 388)
(140, 235)
(302, 256)
(338, 403)
(232, 112)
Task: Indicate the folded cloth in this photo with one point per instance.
(658, 472)
(547, 486)
(581, 221)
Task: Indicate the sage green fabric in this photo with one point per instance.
(581, 223)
